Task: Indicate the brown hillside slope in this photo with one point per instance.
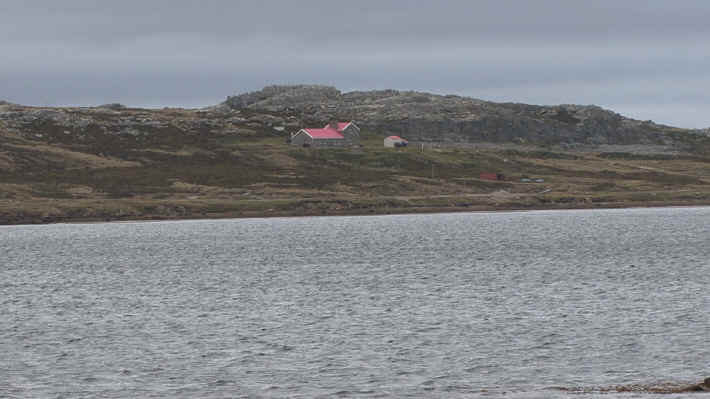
(115, 163)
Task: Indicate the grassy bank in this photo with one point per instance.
(62, 211)
(173, 175)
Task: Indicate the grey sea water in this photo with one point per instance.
(448, 305)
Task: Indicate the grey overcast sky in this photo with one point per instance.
(648, 59)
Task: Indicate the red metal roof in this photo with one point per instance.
(395, 138)
(491, 176)
(326, 133)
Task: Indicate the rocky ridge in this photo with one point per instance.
(421, 117)
(455, 119)
(90, 124)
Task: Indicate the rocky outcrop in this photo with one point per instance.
(113, 106)
(420, 117)
(437, 118)
(280, 98)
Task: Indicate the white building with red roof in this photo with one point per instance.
(395, 141)
(334, 134)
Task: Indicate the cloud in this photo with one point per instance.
(634, 55)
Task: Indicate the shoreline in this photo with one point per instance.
(56, 219)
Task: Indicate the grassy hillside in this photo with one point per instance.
(176, 173)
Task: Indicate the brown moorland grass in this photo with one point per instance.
(172, 174)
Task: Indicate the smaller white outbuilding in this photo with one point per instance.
(395, 141)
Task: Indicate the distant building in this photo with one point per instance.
(491, 176)
(395, 141)
(334, 134)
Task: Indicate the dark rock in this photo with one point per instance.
(701, 387)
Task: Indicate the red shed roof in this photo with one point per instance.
(326, 133)
(395, 138)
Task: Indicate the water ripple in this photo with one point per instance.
(594, 303)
